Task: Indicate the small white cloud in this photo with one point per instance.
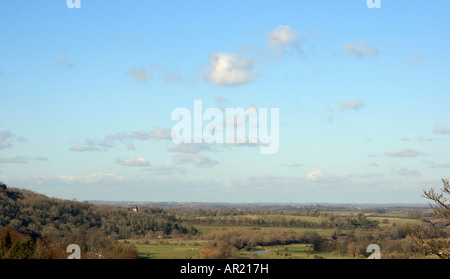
(361, 49)
(321, 177)
(355, 105)
(157, 133)
(196, 159)
(133, 162)
(81, 148)
(315, 175)
(141, 74)
(283, 39)
(229, 69)
(5, 144)
(161, 169)
(88, 178)
(439, 130)
(14, 160)
(7, 138)
(282, 36)
(404, 153)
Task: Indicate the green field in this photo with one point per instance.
(187, 249)
(211, 227)
(166, 249)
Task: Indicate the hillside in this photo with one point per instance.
(29, 215)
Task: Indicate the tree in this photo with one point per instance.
(209, 253)
(5, 243)
(441, 209)
(427, 239)
(20, 249)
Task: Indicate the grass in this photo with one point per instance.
(166, 249)
(187, 249)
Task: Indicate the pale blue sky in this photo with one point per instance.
(87, 95)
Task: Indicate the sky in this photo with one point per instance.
(362, 94)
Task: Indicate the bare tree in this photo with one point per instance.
(426, 237)
(441, 209)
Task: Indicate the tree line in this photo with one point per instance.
(328, 222)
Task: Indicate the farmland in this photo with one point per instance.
(286, 232)
(45, 226)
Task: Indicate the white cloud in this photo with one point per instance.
(14, 160)
(229, 69)
(161, 133)
(355, 105)
(161, 169)
(282, 36)
(4, 143)
(125, 138)
(81, 148)
(419, 139)
(404, 153)
(7, 138)
(141, 74)
(196, 159)
(89, 178)
(316, 175)
(157, 133)
(439, 130)
(361, 49)
(283, 39)
(133, 162)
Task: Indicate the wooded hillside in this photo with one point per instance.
(62, 222)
